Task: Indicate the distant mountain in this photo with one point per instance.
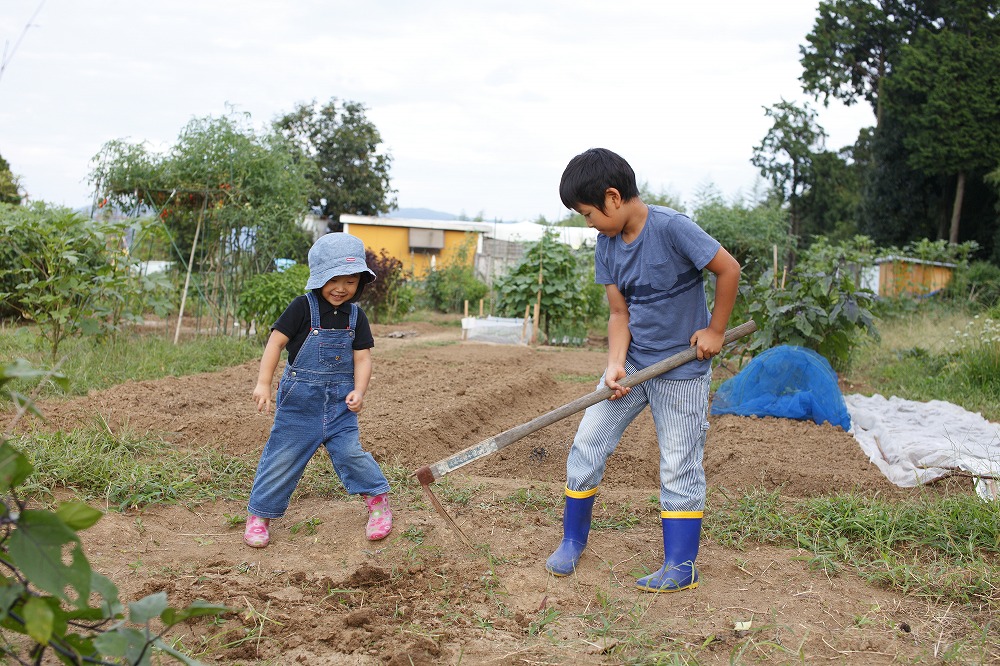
(420, 214)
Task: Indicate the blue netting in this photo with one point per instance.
(788, 382)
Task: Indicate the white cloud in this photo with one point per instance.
(480, 104)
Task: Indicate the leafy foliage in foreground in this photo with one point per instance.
(50, 595)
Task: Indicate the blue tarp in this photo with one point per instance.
(787, 382)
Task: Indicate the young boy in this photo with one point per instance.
(323, 387)
(650, 259)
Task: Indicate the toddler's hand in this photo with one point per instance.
(262, 396)
(355, 401)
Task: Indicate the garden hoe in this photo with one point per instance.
(428, 474)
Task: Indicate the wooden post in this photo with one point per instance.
(775, 266)
(524, 323)
(534, 324)
(187, 279)
(480, 308)
(538, 302)
(465, 315)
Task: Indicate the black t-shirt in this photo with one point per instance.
(295, 321)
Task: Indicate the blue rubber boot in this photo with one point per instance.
(576, 526)
(681, 533)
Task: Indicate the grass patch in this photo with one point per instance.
(948, 356)
(97, 363)
(126, 470)
(944, 549)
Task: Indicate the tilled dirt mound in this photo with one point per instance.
(322, 594)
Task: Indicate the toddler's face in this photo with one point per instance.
(340, 289)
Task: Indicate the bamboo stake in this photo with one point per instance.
(187, 279)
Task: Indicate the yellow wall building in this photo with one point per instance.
(419, 244)
(903, 276)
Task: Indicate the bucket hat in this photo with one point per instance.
(336, 254)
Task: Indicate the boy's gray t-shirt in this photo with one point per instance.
(660, 275)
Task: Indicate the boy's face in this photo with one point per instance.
(340, 289)
(607, 221)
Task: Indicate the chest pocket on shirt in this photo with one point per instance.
(336, 353)
(662, 276)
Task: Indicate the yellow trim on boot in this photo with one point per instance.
(682, 514)
(581, 494)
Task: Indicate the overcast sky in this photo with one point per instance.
(480, 104)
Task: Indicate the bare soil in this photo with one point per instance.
(322, 594)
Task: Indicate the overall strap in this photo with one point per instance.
(313, 310)
(354, 316)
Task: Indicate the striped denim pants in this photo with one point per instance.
(679, 408)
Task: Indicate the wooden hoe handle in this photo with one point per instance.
(430, 473)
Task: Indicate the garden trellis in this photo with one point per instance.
(227, 201)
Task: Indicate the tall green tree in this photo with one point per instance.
(945, 93)
(855, 44)
(351, 173)
(10, 189)
(830, 207)
(786, 154)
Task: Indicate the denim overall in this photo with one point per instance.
(310, 411)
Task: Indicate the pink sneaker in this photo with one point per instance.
(256, 535)
(379, 517)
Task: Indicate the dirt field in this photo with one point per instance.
(325, 595)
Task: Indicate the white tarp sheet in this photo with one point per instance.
(917, 442)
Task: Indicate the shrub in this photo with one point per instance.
(390, 296)
(447, 287)
(978, 283)
(265, 297)
(818, 305)
(72, 275)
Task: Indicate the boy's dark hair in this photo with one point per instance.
(589, 175)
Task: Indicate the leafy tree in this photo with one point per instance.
(247, 189)
(749, 231)
(852, 48)
(897, 202)
(9, 185)
(350, 174)
(945, 92)
(831, 205)
(51, 597)
(786, 154)
(232, 199)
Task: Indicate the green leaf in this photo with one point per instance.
(123, 642)
(36, 547)
(110, 605)
(147, 608)
(38, 619)
(199, 608)
(9, 593)
(77, 515)
(14, 467)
